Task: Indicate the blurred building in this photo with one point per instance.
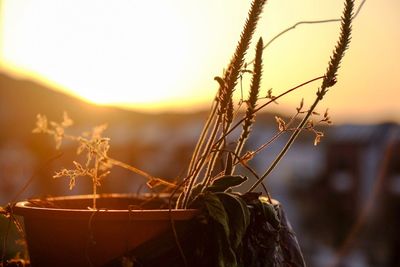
(359, 187)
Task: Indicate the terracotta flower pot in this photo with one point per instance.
(62, 231)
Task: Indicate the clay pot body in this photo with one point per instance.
(62, 231)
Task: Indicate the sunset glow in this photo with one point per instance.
(163, 55)
(90, 53)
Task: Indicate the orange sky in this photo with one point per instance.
(163, 55)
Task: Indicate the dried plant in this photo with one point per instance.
(98, 164)
(222, 113)
(213, 148)
(203, 170)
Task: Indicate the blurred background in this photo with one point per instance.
(146, 69)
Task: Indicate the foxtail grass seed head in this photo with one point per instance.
(232, 73)
(340, 48)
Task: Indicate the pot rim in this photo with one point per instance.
(28, 209)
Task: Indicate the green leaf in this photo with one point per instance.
(226, 182)
(218, 225)
(238, 216)
(216, 211)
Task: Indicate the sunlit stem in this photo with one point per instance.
(95, 182)
(267, 103)
(202, 160)
(202, 138)
(212, 163)
(130, 168)
(290, 141)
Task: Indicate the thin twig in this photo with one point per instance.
(11, 218)
(269, 102)
(130, 168)
(30, 180)
(308, 22)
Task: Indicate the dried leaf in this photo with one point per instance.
(54, 124)
(310, 124)
(247, 157)
(67, 121)
(98, 131)
(300, 108)
(326, 113)
(318, 136)
(81, 148)
(4, 212)
(281, 124)
(153, 182)
(58, 141)
(78, 166)
(41, 124)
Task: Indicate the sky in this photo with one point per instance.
(162, 55)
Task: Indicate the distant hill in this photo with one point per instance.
(22, 100)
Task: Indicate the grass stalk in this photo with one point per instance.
(201, 162)
(251, 101)
(225, 102)
(202, 138)
(233, 72)
(328, 81)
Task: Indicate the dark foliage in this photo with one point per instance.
(222, 236)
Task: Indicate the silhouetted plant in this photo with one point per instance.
(209, 185)
(212, 147)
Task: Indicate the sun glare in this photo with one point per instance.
(132, 52)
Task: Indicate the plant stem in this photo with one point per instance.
(200, 142)
(287, 146)
(328, 81)
(251, 102)
(95, 181)
(130, 168)
(269, 102)
(229, 81)
(201, 161)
